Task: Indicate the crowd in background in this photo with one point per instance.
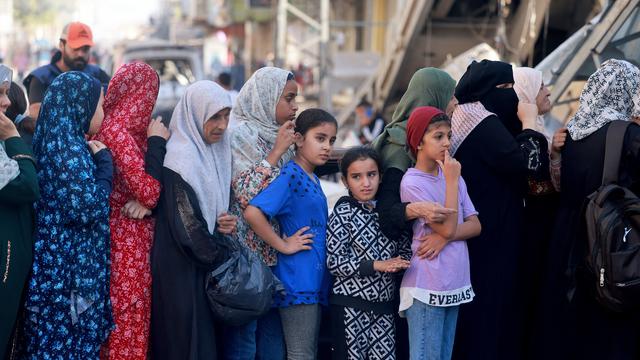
(454, 240)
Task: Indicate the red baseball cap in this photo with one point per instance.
(77, 35)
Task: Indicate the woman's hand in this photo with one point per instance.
(226, 223)
(392, 265)
(134, 210)
(95, 146)
(430, 212)
(527, 113)
(157, 128)
(431, 246)
(7, 128)
(557, 143)
(297, 242)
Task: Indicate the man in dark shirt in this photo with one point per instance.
(73, 54)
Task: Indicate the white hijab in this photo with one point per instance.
(255, 112)
(527, 82)
(206, 168)
(9, 168)
(611, 93)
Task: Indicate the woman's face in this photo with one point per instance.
(214, 128)
(451, 107)
(286, 107)
(98, 116)
(4, 97)
(542, 100)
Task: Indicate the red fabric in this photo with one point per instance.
(417, 125)
(128, 105)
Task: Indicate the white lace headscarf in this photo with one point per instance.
(255, 112)
(205, 167)
(611, 93)
(9, 169)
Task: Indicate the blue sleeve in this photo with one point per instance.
(273, 200)
(104, 169)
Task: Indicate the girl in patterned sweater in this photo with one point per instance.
(363, 262)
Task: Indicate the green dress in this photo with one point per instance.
(16, 242)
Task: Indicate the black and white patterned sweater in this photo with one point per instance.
(354, 241)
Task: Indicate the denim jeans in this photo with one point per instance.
(300, 325)
(260, 339)
(432, 330)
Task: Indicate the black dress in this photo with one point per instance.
(582, 328)
(182, 326)
(496, 166)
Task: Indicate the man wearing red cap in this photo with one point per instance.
(73, 53)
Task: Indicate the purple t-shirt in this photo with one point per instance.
(445, 280)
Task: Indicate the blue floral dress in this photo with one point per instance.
(68, 306)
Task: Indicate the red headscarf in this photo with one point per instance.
(417, 125)
(130, 99)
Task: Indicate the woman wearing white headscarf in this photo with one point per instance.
(191, 224)
(581, 328)
(18, 191)
(260, 145)
(541, 203)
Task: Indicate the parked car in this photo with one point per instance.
(178, 66)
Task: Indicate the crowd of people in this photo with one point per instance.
(453, 241)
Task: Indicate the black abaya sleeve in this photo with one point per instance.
(188, 227)
(523, 157)
(392, 210)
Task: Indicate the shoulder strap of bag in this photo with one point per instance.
(613, 151)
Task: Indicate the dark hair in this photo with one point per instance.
(290, 76)
(358, 153)
(311, 118)
(440, 118)
(364, 102)
(18, 101)
(224, 78)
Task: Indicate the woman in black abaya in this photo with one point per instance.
(494, 140)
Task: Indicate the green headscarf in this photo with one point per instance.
(428, 87)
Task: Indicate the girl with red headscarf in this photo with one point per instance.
(138, 147)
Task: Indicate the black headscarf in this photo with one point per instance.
(479, 84)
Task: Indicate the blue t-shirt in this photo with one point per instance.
(296, 201)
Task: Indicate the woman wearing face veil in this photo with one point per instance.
(582, 329)
(494, 141)
(191, 221)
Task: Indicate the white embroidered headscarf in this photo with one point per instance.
(9, 169)
(465, 118)
(527, 83)
(255, 112)
(611, 93)
(206, 168)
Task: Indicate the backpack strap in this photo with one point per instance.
(613, 151)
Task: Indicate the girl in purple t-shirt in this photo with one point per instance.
(438, 280)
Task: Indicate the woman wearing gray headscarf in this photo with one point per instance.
(582, 329)
(260, 145)
(191, 224)
(18, 191)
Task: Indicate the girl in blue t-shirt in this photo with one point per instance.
(296, 200)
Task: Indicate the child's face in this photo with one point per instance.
(435, 142)
(315, 146)
(214, 128)
(363, 179)
(286, 107)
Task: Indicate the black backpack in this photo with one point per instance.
(613, 232)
